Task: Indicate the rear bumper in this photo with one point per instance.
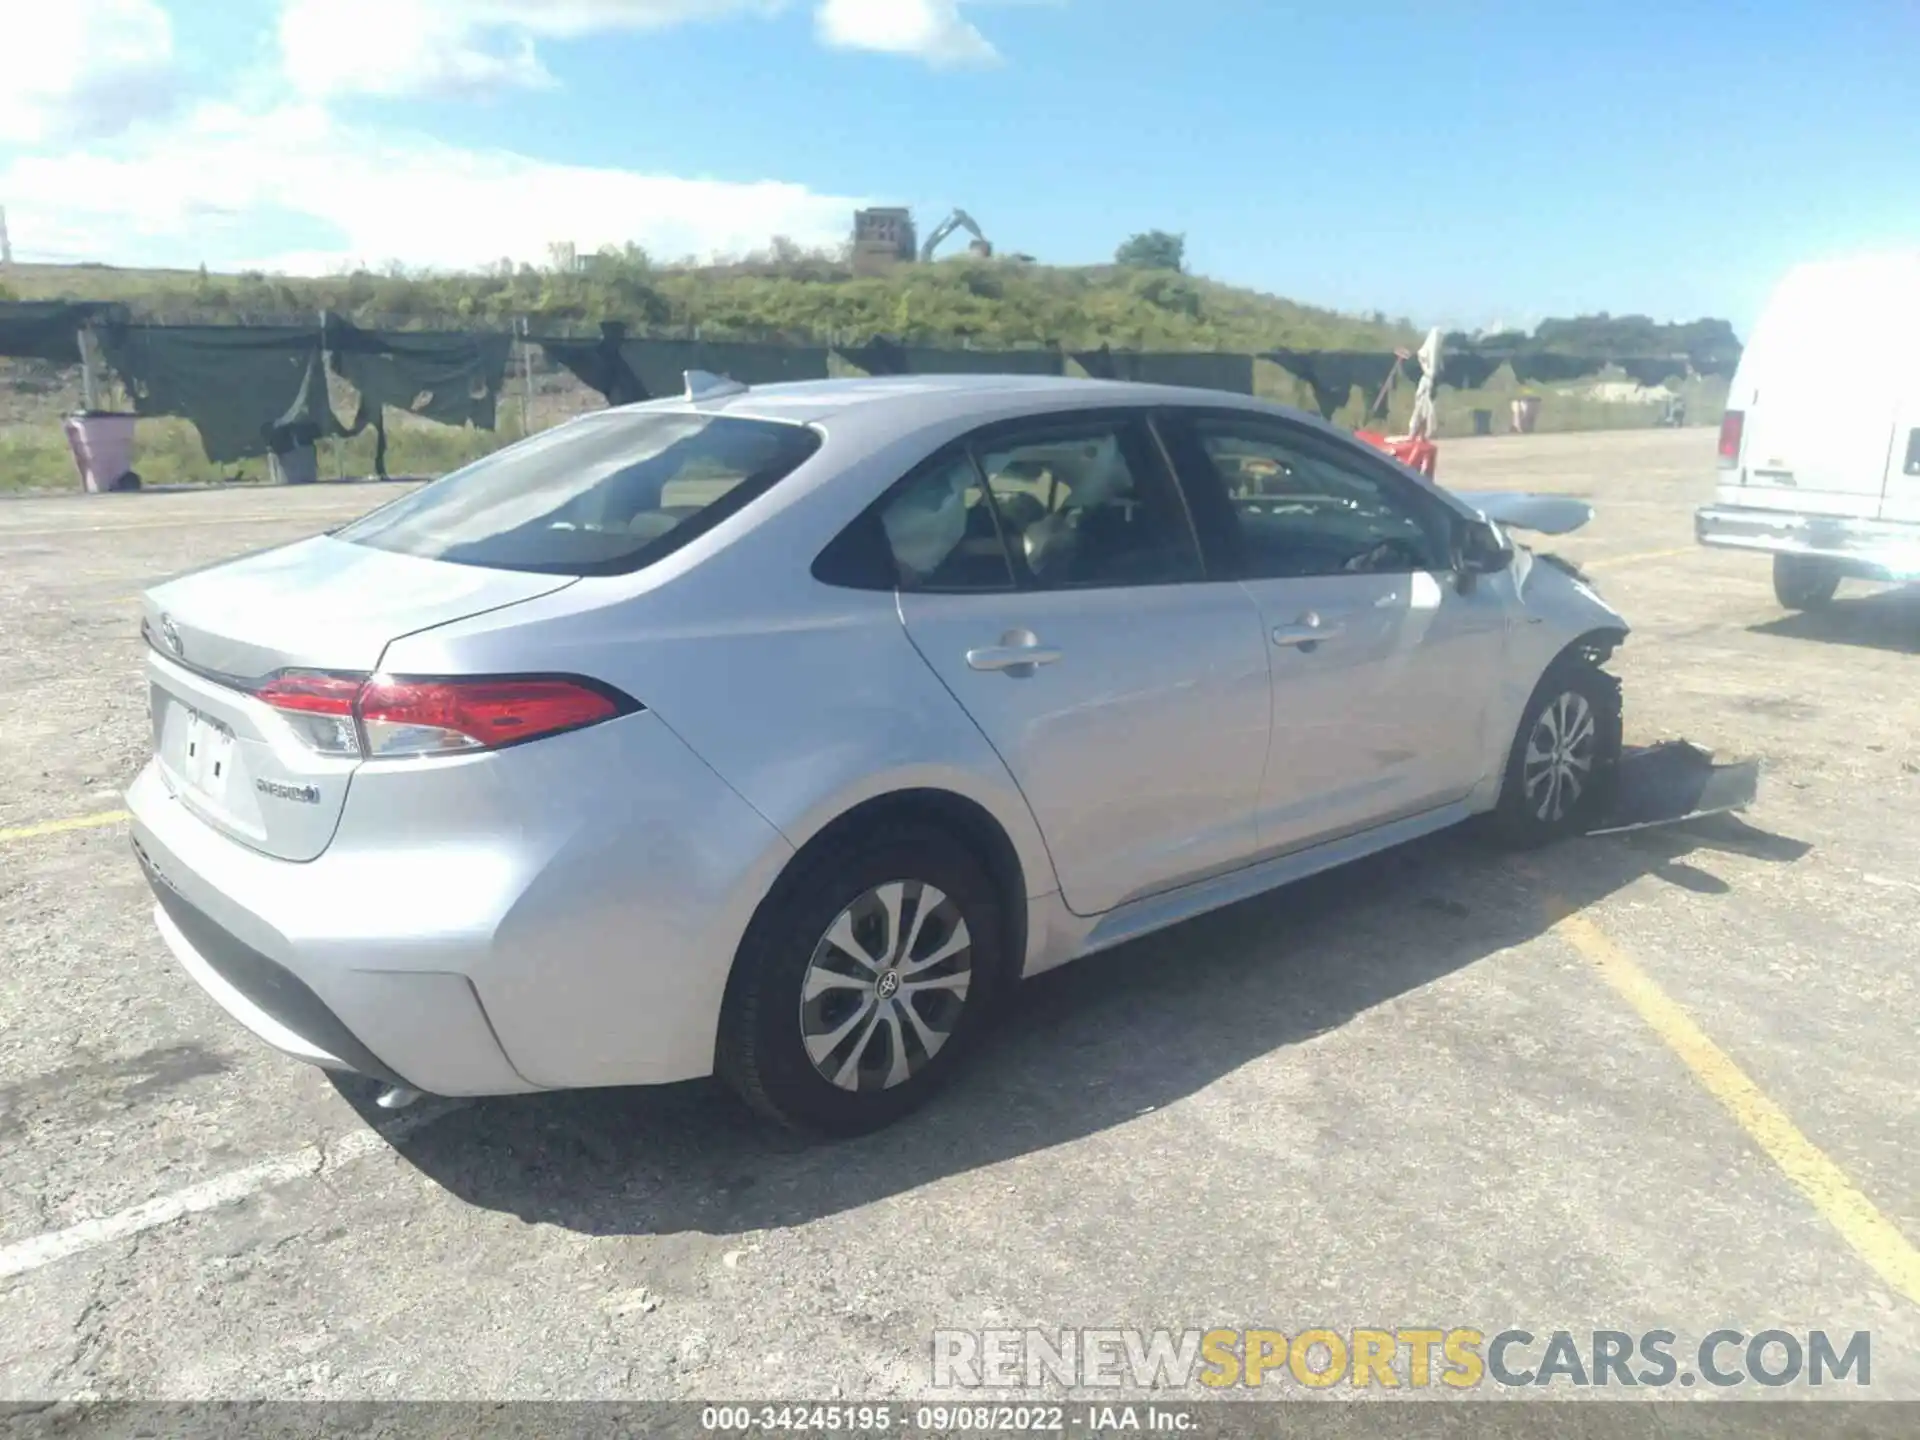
(1870, 549)
(425, 1031)
(555, 915)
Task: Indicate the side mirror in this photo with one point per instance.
(1479, 549)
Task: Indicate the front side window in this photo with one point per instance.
(1298, 508)
(603, 495)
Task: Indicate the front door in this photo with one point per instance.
(1383, 671)
(1064, 603)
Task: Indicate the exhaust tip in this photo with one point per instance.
(397, 1097)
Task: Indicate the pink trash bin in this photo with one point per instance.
(102, 445)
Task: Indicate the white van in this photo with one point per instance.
(1820, 449)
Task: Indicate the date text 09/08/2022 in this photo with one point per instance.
(948, 1419)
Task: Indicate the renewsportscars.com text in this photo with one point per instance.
(1417, 1358)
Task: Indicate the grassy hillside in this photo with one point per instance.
(992, 303)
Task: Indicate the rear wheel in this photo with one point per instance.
(1561, 770)
(1804, 582)
(863, 981)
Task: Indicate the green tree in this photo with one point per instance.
(1153, 250)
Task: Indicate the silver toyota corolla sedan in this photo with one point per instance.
(777, 732)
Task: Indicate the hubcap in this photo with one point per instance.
(1560, 752)
(886, 986)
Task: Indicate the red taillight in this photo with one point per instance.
(318, 708)
(416, 717)
(1732, 425)
(310, 693)
(383, 715)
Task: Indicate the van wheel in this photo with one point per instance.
(1561, 771)
(863, 981)
(1804, 582)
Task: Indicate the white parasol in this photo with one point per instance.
(1423, 414)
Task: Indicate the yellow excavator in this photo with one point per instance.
(958, 220)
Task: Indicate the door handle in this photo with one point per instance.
(1011, 657)
(1017, 654)
(1305, 634)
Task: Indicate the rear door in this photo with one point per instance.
(1815, 391)
(1055, 584)
(1382, 670)
(318, 607)
(1809, 446)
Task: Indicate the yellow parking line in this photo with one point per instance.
(56, 827)
(1607, 562)
(1825, 1185)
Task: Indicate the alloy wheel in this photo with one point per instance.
(886, 986)
(1561, 748)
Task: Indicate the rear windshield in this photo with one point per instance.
(600, 496)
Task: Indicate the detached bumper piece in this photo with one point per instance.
(1673, 782)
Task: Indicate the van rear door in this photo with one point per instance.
(1811, 447)
(1820, 387)
(1808, 441)
(1902, 494)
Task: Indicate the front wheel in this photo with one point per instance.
(1804, 582)
(864, 981)
(1560, 773)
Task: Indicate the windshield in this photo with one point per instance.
(603, 495)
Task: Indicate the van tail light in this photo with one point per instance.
(1733, 426)
(384, 716)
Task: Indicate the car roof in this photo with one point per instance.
(913, 400)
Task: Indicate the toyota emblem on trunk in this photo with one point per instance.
(171, 634)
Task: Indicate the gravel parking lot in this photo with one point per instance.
(1633, 1083)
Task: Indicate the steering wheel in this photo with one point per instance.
(1388, 555)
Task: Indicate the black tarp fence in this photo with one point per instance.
(453, 377)
(661, 365)
(50, 329)
(262, 389)
(249, 391)
(259, 389)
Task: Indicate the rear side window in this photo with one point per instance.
(942, 532)
(600, 496)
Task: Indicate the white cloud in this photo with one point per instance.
(932, 30)
(210, 187)
(80, 69)
(474, 47)
(459, 47)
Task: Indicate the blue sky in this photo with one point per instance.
(1460, 163)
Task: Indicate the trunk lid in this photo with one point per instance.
(320, 604)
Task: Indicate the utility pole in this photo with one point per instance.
(6, 245)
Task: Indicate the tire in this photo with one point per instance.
(1534, 808)
(1804, 582)
(814, 1033)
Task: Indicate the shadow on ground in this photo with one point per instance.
(1081, 1049)
(1885, 620)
